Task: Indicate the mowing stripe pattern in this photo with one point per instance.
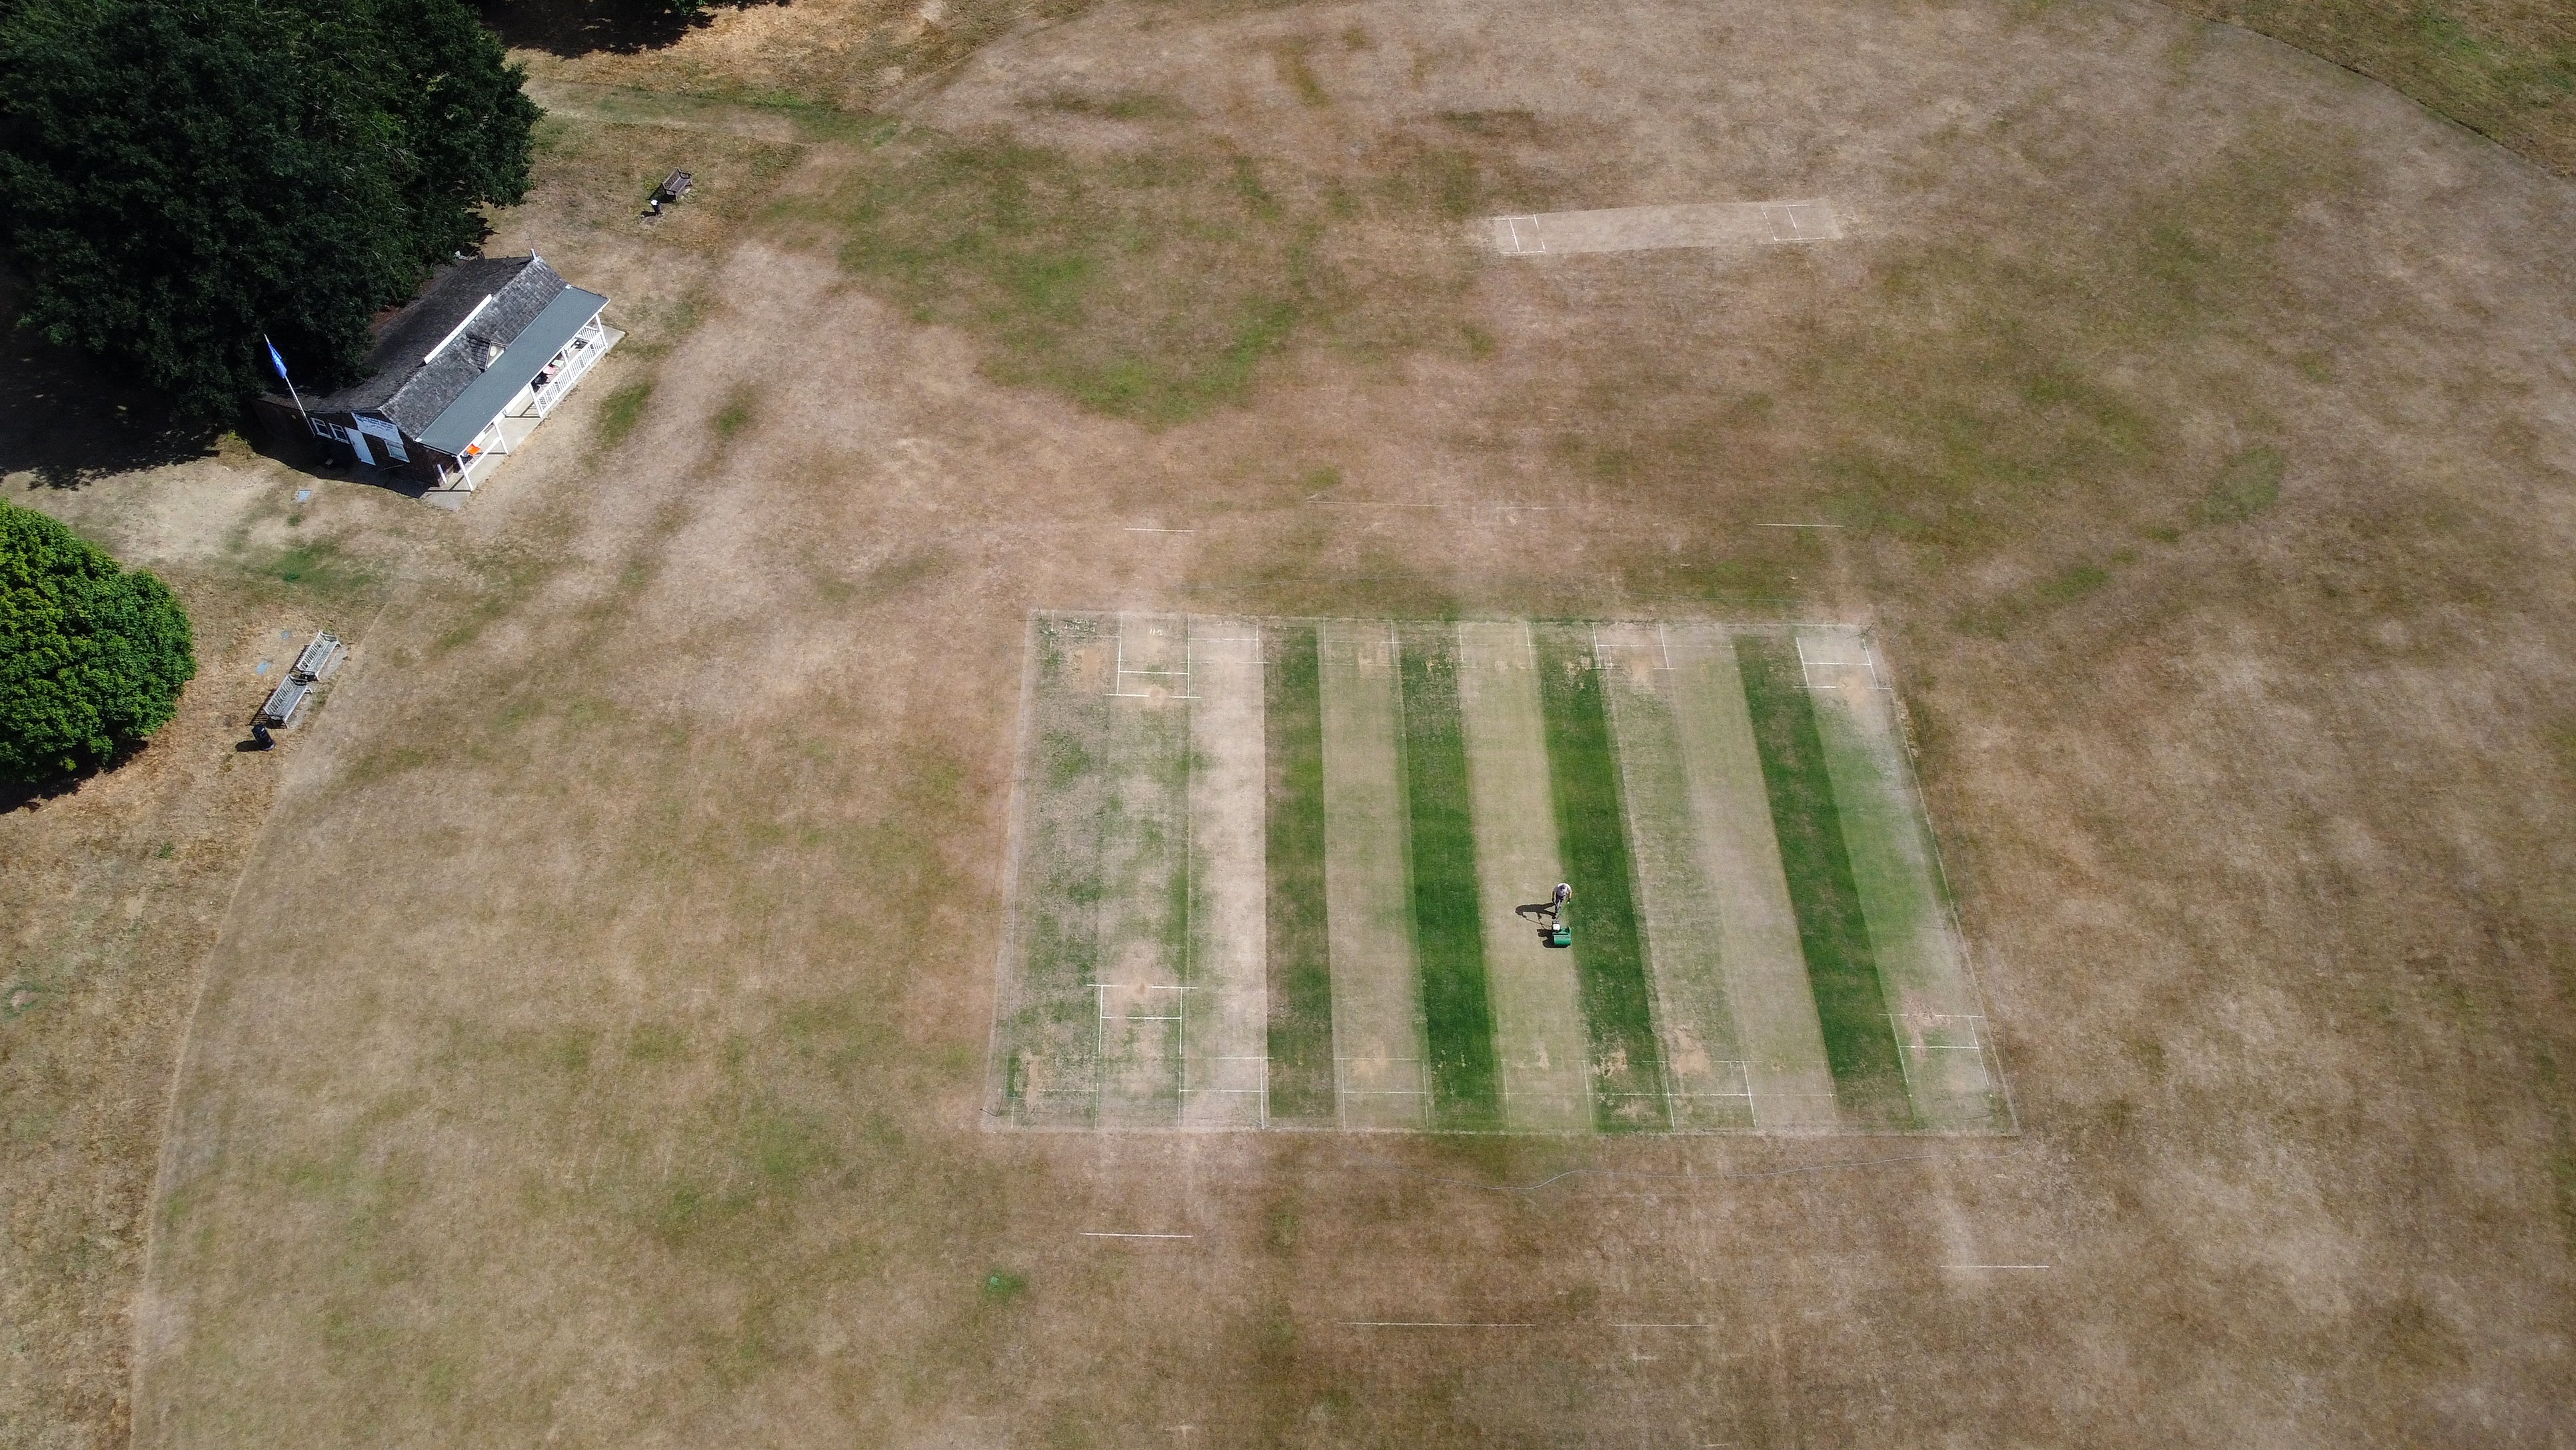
(1448, 943)
(1833, 934)
(1300, 969)
(1541, 1050)
(1379, 1067)
(1280, 872)
(1225, 1011)
(1592, 838)
(1941, 1030)
(1144, 851)
(1049, 1007)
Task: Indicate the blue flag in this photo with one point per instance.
(279, 361)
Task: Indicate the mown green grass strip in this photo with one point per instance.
(1448, 943)
(1851, 1002)
(1592, 841)
(1299, 956)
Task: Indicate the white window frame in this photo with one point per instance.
(388, 435)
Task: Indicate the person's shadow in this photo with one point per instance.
(1541, 914)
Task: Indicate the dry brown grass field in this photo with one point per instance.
(595, 994)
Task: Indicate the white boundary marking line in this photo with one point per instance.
(1990, 1043)
(1429, 1324)
(1097, 1234)
(1668, 226)
(1189, 890)
(1012, 844)
(1997, 1266)
(1536, 244)
(1663, 1014)
(1868, 661)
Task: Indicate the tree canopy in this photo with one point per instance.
(92, 656)
(179, 176)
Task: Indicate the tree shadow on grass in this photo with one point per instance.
(18, 795)
(581, 27)
(65, 420)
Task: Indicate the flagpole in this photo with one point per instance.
(290, 384)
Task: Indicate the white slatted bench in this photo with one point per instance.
(284, 701)
(320, 657)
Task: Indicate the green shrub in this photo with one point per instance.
(92, 656)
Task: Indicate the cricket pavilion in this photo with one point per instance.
(459, 379)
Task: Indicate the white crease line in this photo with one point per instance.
(1994, 1266)
(1797, 526)
(1140, 529)
(1093, 1234)
(1499, 508)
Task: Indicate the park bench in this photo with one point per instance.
(284, 701)
(320, 657)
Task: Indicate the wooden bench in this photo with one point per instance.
(674, 186)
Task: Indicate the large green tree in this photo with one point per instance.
(179, 176)
(92, 656)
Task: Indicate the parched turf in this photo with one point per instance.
(1833, 933)
(1919, 965)
(1592, 838)
(1448, 945)
(1050, 1053)
(1299, 961)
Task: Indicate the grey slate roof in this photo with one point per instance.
(411, 393)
